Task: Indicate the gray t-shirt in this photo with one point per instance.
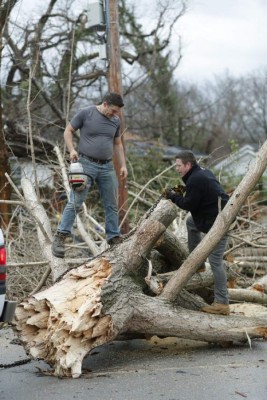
(97, 132)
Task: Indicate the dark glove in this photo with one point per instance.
(179, 189)
(168, 193)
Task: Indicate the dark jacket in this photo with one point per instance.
(202, 198)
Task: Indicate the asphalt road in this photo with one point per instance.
(159, 369)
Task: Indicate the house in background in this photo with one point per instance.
(237, 164)
(20, 159)
(23, 167)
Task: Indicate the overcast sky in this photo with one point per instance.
(223, 35)
(218, 36)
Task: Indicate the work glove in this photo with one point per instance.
(168, 193)
(179, 189)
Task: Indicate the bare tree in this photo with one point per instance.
(153, 84)
(228, 110)
(254, 106)
(5, 208)
(67, 68)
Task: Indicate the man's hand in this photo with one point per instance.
(123, 173)
(179, 189)
(168, 193)
(73, 155)
(119, 156)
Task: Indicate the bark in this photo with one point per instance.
(105, 299)
(172, 249)
(259, 259)
(251, 252)
(247, 295)
(249, 310)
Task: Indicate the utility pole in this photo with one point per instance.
(115, 85)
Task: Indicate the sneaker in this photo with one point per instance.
(115, 240)
(217, 308)
(58, 245)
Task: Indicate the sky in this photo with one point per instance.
(218, 37)
(223, 36)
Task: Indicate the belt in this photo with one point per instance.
(95, 160)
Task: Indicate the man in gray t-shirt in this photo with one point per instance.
(96, 130)
(99, 141)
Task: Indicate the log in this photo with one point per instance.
(259, 259)
(199, 280)
(260, 285)
(250, 296)
(104, 299)
(44, 232)
(172, 250)
(249, 310)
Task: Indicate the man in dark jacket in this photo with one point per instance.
(204, 198)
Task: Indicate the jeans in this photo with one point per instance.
(104, 176)
(215, 260)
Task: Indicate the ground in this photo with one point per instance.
(168, 369)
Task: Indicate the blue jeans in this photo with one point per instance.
(104, 176)
(215, 260)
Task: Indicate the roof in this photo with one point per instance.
(238, 162)
(17, 139)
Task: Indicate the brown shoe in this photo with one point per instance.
(115, 240)
(217, 308)
(202, 268)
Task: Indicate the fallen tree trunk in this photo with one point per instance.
(44, 232)
(114, 295)
(246, 295)
(199, 280)
(98, 302)
(172, 250)
(255, 259)
(103, 299)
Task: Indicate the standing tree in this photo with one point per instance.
(6, 7)
(254, 106)
(153, 84)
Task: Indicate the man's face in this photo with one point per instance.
(109, 110)
(182, 168)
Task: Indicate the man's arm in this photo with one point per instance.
(68, 137)
(190, 201)
(119, 155)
